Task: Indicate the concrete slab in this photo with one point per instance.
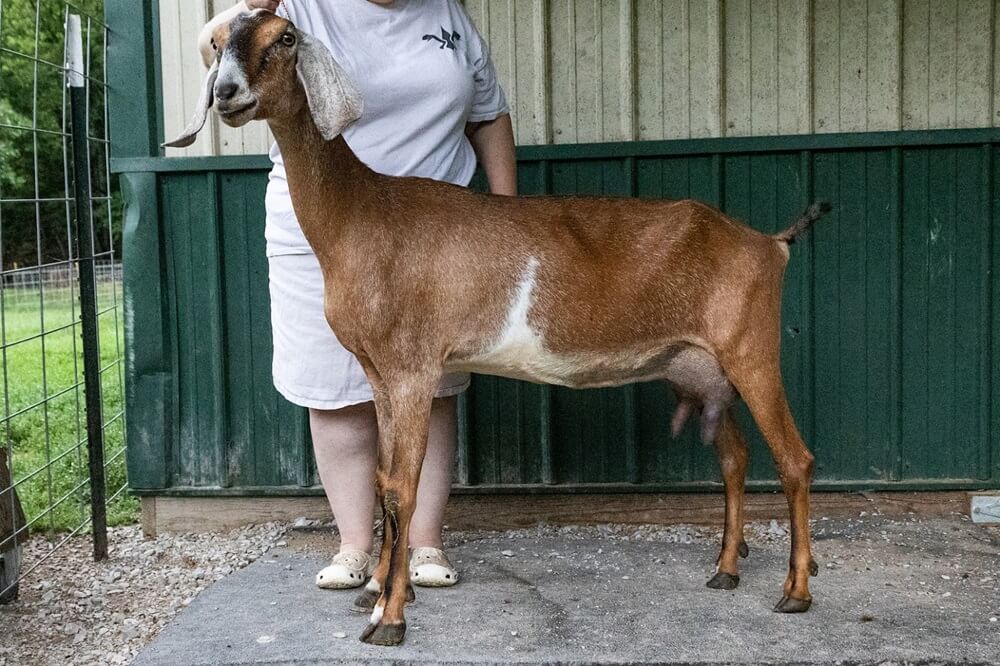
(913, 591)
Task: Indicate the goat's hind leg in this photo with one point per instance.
(759, 383)
(733, 457)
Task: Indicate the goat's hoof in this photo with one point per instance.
(743, 550)
(384, 634)
(365, 602)
(813, 568)
(723, 581)
(792, 605)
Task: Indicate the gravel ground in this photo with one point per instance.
(73, 610)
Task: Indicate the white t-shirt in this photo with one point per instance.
(423, 72)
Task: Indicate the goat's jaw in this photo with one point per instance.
(237, 115)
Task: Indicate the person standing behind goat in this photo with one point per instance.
(432, 107)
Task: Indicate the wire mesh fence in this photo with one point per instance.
(62, 435)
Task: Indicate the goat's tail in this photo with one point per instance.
(806, 220)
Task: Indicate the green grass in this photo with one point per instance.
(44, 412)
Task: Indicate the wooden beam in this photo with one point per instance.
(497, 512)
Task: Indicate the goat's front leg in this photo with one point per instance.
(410, 400)
(733, 458)
(365, 602)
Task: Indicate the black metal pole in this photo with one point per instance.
(88, 287)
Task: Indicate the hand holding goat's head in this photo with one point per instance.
(267, 69)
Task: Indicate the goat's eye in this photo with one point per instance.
(288, 39)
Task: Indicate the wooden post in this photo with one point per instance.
(11, 519)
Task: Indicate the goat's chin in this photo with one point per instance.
(238, 117)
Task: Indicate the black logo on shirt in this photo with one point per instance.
(447, 39)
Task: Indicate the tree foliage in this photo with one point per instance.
(35, 155)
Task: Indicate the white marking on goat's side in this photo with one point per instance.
(516, 329)
(519, 350)
(517, 342)
(376, 614)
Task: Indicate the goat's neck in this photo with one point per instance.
(326, 180)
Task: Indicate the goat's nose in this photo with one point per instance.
(225, 90)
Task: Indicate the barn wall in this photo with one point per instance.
(890, 306)
(580, 71)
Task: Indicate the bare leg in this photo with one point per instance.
(436, 476)
(344, 441)
(733, 457)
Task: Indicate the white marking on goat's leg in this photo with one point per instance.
(377, 613)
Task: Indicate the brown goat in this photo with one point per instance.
(423, 277)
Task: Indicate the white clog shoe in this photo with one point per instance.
(429, 567)
(348, 569)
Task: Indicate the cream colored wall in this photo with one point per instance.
(622, 70)
(183, 73)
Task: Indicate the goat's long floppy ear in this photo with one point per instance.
(334, 100)
(190, 132)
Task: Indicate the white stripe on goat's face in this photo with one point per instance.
(240, 60)
(231, 72)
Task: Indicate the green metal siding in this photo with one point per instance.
(888, 352)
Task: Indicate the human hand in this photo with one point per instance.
(269, 5)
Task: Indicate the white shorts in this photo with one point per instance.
(310, 367)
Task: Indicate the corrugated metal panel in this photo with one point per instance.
(856, 66)
(948, 61)
(679, 69)
(618, 70)
(887, 353)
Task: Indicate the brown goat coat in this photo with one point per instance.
(632, 274)
(422, 277)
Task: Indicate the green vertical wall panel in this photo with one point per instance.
(850, 293)
(945, 227)
(989, 457)
(279, 454)
(148, 368)
(890, 355)
(191, 210)
(888, 351)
